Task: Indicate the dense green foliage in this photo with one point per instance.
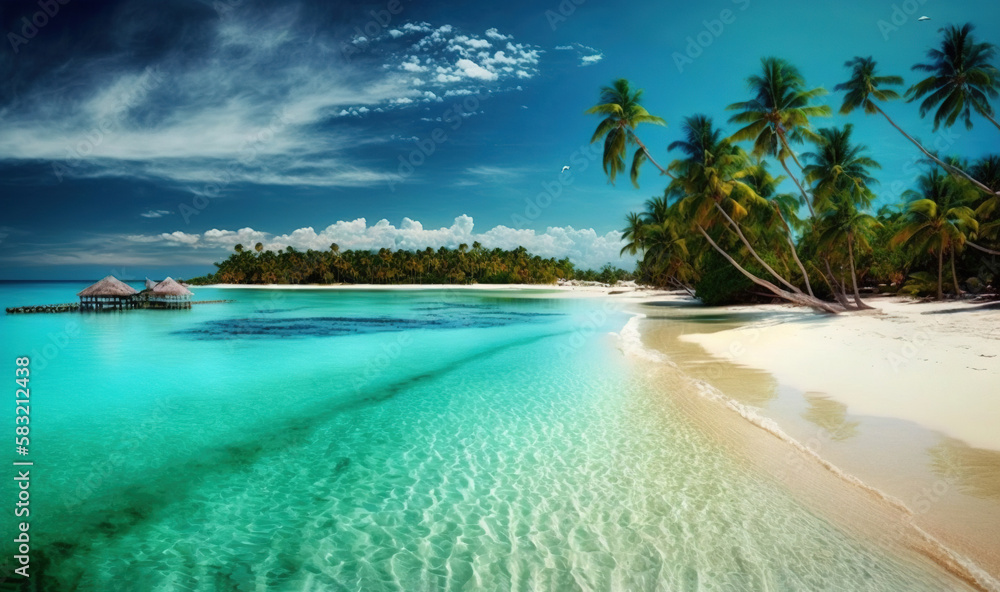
(724, 230)
(443, 266)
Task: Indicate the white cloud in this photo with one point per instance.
(584, 247)
(155, 213)
(473, 70)
(265, 92)
(588, 55)
(494, 34)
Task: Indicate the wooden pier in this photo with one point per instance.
(75, 307)
(71, 307)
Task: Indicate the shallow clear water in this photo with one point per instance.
(316, 440)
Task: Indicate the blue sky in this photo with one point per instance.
(148, 139)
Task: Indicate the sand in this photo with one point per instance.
(934, 364)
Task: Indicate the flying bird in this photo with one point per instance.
(565, 168)
(924, 18)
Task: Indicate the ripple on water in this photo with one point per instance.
(561, 476)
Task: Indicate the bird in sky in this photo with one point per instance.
(924, 18)
(565, 168)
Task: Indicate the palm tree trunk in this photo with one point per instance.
(948, 168)
(940, 287)
(795, 252)
(753, 252)
(954, 274)
(993, 121)
(650, 156)
(835, 287)
(983, 249)
(800, 299)
(799, 185)
(854, 275)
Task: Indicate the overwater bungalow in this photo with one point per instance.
(108, 294)
(168, 294)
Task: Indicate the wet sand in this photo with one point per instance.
(893, 479)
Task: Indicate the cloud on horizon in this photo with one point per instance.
(584, 247)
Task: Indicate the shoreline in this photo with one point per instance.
(934, 364)
(806, 354)
(946, 492)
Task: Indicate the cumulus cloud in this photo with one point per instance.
(494, 34)
(584, 247)
(473, 70)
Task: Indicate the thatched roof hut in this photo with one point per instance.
(169, 294)
(109, 286)
(149, 284)
(170, 287)
(108, 293)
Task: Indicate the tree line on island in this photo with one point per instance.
(724, 229)
(463, 265)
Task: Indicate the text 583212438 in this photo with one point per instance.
(23, 409)
(22, 506)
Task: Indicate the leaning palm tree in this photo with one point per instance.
(623, 113)
(962, 79)
(712, 177)
(844, 224)
(988, 211)
(938, 220)
(863, 89)
(778, 114)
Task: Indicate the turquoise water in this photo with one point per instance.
(316, 440)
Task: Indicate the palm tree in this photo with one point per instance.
(838, 166)
(778, 114)
(623, 113)
(712, 176)
(840, 171)
(844, 223)
(961, 80)
(863, 89)
(259, 247)
(938, 220)
(238, 248)
(634, 234)
(988, 169)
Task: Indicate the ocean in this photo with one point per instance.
(315, 440)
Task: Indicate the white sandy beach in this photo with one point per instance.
(935, 364)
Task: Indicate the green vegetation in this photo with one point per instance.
(724, 230)
(443, 266)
